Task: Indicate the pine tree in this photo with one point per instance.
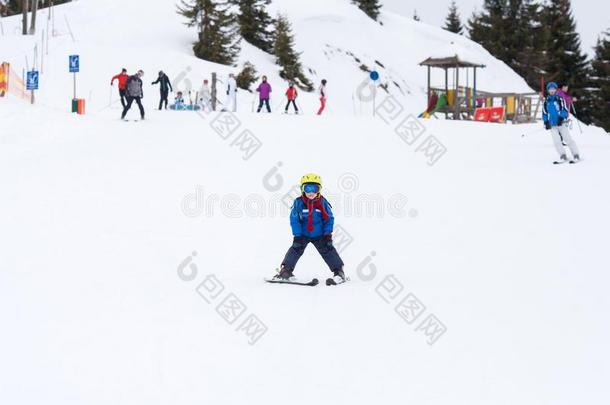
(525, 51)
(488, 29)
(370, 7)
(415, 15)
(600, 83)
(10, 7)
(217, 28)
(566, 64)
(246, 77)
(453, 22)
(514, 32)
(285, 55)
(254, 23)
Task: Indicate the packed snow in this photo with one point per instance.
(478, 269)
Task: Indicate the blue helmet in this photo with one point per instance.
(551, 85)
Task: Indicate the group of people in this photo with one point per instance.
(264, 95)
(555, 110)
(131, 89)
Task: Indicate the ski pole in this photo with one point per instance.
(577, 120)
(110, 97)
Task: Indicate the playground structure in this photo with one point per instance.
(469, 103)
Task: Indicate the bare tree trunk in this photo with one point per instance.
(33, 20)
(24, 21)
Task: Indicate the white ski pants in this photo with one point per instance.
(230, 102)
(561, 135)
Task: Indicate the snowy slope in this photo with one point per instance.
(98, 216)
(99, 220)
(334, 36)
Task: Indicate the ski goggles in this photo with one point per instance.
(311, 188)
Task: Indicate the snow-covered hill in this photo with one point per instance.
(133, 253)
(336, 39)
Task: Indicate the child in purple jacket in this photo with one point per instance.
(264, 92)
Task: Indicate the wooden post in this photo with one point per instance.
(24, 17)
(214, 91)
(427, 101)
(42, 54)
(33, 19)
(474, 87)
(447, 90)
(456, 98)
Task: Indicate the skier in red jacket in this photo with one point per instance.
(292, 95)
(122, 78)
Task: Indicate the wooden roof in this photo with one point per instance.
(449, 62)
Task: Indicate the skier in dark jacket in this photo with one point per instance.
(312, 221)
(134, 92)
(165, 87)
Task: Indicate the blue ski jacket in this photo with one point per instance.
(554, 107)
(299, 217)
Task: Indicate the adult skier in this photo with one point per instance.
(322, 93)
(554, 115)
(205, 98)
(291, 95)
(165, 87)
(134, 92)
(264, 92)
(312, 221)
(231, 99)
(122, 79)
(563, 93)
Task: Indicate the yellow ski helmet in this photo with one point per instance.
(311, 178)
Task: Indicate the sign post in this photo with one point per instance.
(374, 77)
(74, 67)
(32, 82)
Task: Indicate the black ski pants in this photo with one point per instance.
(164, 94)
(130, 100)
(323, 244)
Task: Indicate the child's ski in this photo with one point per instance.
(293, 280)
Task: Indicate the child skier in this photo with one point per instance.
(179, 101)
(231, 99)
(322, 92)
(292, 95)
(312, 221)
(554, 114)
(206, 97)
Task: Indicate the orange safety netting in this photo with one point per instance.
(11, 83)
